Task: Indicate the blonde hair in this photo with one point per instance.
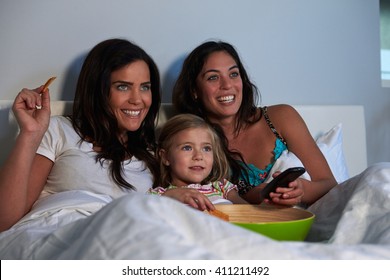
(182, 122)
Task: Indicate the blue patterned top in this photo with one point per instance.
(256, 175)
(253, 175)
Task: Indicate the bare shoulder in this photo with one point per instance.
(282, 111)
(286, 119)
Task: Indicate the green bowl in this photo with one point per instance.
(279, 223)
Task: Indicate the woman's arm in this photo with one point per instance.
(293, 129)
(235, 198)
(24, 173)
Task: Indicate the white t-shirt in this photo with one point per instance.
(75, 166)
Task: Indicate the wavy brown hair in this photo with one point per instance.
(184, 100)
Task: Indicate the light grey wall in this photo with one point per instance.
(297, 52)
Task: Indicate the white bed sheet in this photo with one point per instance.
(352, 222)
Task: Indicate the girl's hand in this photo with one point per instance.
(32, 110)
(191, 197)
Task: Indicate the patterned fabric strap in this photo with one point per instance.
(244, 187)
(271, 126)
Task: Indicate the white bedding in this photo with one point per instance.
(352, 222)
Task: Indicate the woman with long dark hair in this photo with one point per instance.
(106, 147)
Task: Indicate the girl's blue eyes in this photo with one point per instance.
(189, 148)
(207, 149)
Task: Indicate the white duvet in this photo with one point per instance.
(352, 222)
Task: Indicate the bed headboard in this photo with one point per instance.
(319, 119)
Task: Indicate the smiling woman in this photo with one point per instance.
(130, 96)
(105, 147)
(214, 85)
(220, 71)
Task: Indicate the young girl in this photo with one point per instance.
(191, 156)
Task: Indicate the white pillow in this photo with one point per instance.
(286, 160)
(331, 145)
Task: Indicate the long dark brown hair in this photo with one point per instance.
(184, 100)
(93, 118)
